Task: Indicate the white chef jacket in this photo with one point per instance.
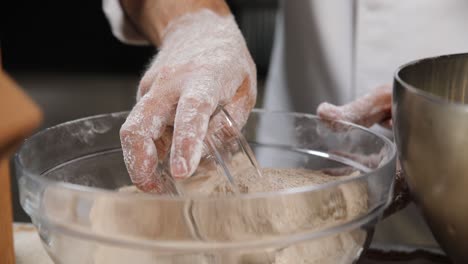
(319, 44)
(388, 33)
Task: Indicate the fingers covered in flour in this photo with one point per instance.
(195, 113)
(203, 62)
(191, 122)
(368, 110)
(243, 101)
(145, 125)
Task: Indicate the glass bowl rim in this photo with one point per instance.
(43, 181)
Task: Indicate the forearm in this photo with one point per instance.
(151, 17)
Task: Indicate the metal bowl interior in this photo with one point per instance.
(430, 114)
(68, 176)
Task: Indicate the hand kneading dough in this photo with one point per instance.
(218, 220)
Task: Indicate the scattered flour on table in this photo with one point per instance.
(218, 220)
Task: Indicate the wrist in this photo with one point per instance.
(153, 17)
(202, 28)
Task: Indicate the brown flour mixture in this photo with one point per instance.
(221, 220)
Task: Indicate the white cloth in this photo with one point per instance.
(312, 54)
(389, 33)
(122, 29)
(394, 32)
(311, 59)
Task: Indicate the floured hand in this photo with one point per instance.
(368, 110)
(203, 62)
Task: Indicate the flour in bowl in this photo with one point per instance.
(239, 220)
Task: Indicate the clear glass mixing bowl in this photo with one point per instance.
(68, 176)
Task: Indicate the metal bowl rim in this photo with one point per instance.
(424, 94)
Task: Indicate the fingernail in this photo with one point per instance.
(179, 168)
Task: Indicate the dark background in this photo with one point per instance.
(64, 36)
(74, 36)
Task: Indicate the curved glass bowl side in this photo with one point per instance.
(66, 173)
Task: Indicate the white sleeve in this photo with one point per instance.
(122, 29)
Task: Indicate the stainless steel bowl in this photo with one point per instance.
(430, 114)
